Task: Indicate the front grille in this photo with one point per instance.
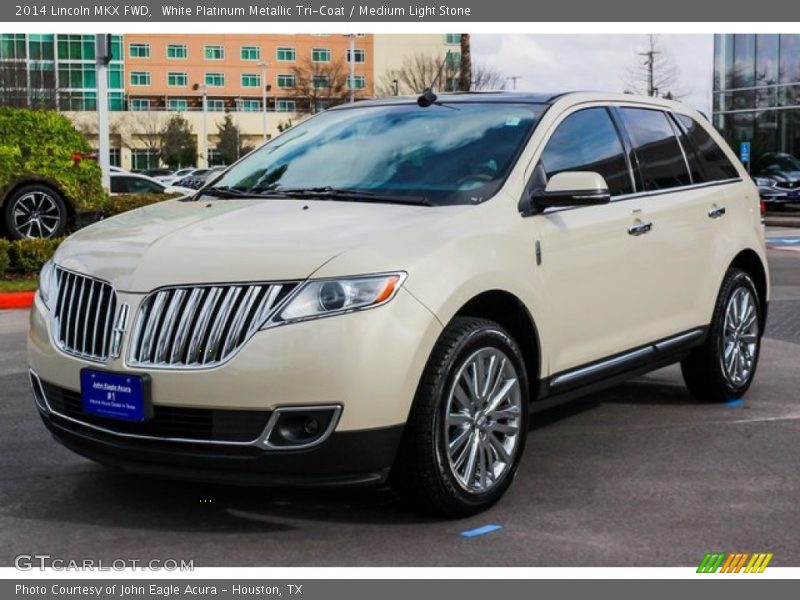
(196, 327)
(788, 185)
(206, 425)
(83, 315)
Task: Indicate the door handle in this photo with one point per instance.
(640, 228)
(716, 212)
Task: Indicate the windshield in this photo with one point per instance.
(459, 153)
(783, 162)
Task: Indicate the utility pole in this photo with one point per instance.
(103, 57)
(649, 63)
(513, 80)
(204, 147)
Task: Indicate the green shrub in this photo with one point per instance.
(115, 205)
(39, 144)
(5, 259)
(28, 256)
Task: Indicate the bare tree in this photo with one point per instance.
(441, 74)
(465, 70)
(320, 84)
(653, 73)
(149, 134)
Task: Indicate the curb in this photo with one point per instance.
(16, 300)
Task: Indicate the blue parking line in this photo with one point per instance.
(470, 533)
(733, 403)
(784, 241)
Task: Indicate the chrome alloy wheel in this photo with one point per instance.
(483, 420)
(740, 337)
(36, 215)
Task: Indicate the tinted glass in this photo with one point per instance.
(659, 155)
(713, 162)
(143, 186)
(119, 185)
(588, 141)
(456, 153)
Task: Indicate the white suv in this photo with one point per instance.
(383, 291)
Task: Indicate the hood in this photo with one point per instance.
(180, 242)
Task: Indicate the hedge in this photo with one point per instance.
(5, 259)
(115, 205)
(40, 144)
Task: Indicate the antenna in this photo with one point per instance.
(428, 97)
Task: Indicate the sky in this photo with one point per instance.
(552, 63)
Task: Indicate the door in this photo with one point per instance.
(597, 262)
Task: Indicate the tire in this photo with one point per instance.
(34, 211)
(709, 372)
(432, 477)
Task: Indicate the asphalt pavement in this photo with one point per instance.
(640, 475)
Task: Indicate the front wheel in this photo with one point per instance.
(723, 368)
(35, 211)
(467, 429)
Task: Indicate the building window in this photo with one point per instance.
(177, 79)
(215, 79)
(114, 157)
(251, 80)
(77, 101)
(286, 81)
(144, 158)
(251, 105)
(213, 52)
(286, 106)
(453, 60)
(176, 51)
(116, 101)
(452, 38)
(359, 82)
(12, 46)
(215, 105)
(321, 55)
(139, 104)
(76, 47)
(251, 53)
(115, 76)
(287, 54)
(140, 77)
(40, 46)
(360, 55)
(139, 50)
(320, 81)
(76, 76)
(178, 104)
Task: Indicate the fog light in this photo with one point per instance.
(295, 427)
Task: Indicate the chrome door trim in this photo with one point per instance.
(599, 367)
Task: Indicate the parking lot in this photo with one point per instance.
(640, 475)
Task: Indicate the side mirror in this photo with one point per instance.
(574, 188)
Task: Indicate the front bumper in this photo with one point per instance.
(366, 363)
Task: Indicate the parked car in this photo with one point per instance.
(198, 178)
(159, 172)
(777, 176)
(176, 175)
(386, 291)
(133, 183)
(48, 176)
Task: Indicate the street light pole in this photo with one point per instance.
(263, 66)
(103, 57)
(204, 87)
(352, 67)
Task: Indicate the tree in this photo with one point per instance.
(320, 84)
(420, 71)
(465, 71)
(149, 133)
(27, 87)
(229, 141)
(653, 73)
(178, 145)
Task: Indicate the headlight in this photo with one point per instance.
(764, 181)
(325, 297)
(47, 282)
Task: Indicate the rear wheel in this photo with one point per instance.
(467, 429)
(723, 368)
(34, 211)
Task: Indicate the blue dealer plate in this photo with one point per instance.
(114, 396)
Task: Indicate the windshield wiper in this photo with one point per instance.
(316, 193)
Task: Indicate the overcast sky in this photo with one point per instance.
(594, 62)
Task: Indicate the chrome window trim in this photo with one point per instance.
(259, 442)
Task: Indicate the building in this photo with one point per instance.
(203, 77)
(756, 91)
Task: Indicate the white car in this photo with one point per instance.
(176, 176)
(386, 290)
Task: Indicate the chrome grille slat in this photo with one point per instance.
(78, 324)
(194, 327)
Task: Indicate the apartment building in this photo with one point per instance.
(204, 77)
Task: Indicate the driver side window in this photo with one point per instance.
(587, 140)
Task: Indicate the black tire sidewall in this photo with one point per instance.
(736, 280)
(11, 200)
(494, 336)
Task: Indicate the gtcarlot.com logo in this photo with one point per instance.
(734, 562)
(29, 562)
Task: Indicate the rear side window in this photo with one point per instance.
(711, 158)
(588, 141)
(660, 158)
(119, 185)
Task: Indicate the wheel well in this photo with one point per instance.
(749, 262)
(11, 189)
(507, 310)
